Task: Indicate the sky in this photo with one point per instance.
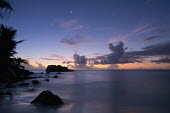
(92, 34)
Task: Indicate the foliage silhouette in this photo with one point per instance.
(4, 7)
(9, 64)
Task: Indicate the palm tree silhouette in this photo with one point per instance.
(7, 49)
(5, 6)
(19, 61)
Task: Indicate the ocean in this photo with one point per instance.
(95, 92)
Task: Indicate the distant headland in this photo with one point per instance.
(58, 68)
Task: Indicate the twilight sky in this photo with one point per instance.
(93, 34)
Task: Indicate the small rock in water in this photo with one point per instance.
(47, 80)
(35, 82)
(55, 76)
(47, 97)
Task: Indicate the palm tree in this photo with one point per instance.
(19, 61)
(7, 49)
(5, 6)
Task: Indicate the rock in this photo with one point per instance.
(59, 73)
(1, 93)
(24, 84)
(47, 97)
(31, 73)
(47, 80)
(35, 82)
(58, 68)
(55, 76)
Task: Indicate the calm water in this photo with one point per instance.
(96, 92)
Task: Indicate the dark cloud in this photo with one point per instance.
(79, 59)
(117, 52)
(165, 60)
(153, 50)
(75, 41)
(119, 56)
(67, 62)
(146, 39)
(79, 62)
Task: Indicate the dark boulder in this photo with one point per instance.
(47, 80)
(55, 76)
(35, 82)
(47, 97)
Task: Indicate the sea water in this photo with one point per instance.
(95, 92)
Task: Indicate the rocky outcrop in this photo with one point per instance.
(35, 82)
(55, 76)
(58, 68)
(47, 97)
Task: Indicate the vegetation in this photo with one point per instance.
(4, 7)
(10, 67)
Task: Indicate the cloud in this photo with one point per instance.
(31, 67)
(40, 66)
(157, 50)
(164, 60)
(148, 30)
(56, 56)
(67, 62)
(80, 27)
(53, 57)
(146, 39)
(137, 31)
(164, 30)
(113, 66)
(162, 48)
(79, 59)
(68, 23)
(75, 41)
(119, 56)
(49, 59)
(79, 62)
(117, 52)
(96, 53)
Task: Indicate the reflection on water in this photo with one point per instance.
(97, 92)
